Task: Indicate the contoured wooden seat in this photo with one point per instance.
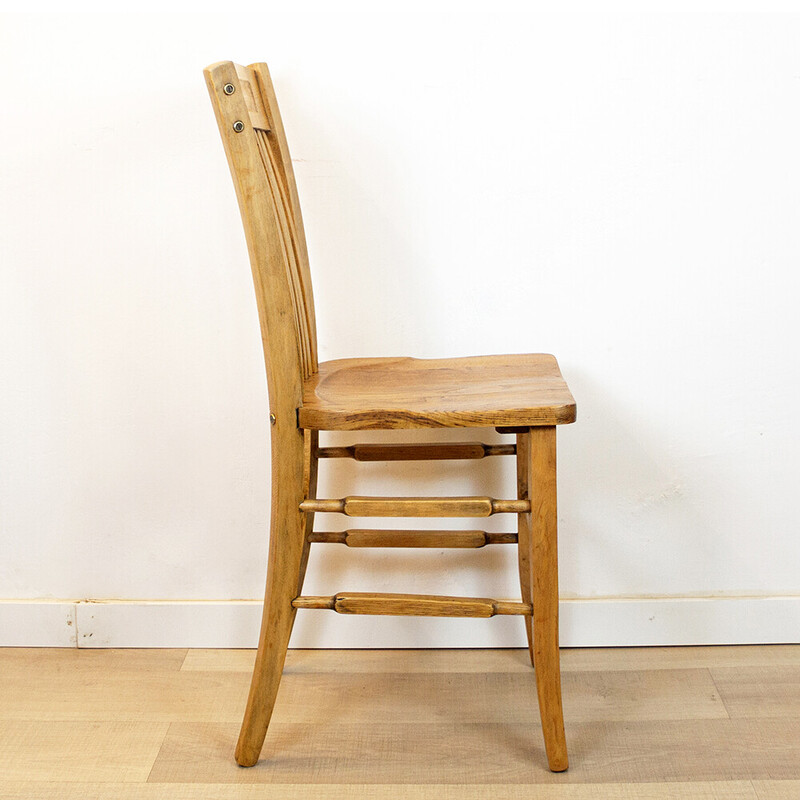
(523, 395)
(477, 392)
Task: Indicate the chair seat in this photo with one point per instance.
(477, 392)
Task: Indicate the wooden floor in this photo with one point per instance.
(642, 724)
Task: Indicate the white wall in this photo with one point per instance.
(619, 190)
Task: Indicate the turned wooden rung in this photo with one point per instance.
(417, 506)
(411, 538)
(417, 451)
(415, 605)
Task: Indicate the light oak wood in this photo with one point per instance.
(310, 475)
(764, 691)
(524, 543)
(475, 392)
(718, 790)
(418, 451)
(361, 394)
(411, 694)
(413, 538)
(541, 471)
(78, 662)
(412, 605)
(494, 697)
(590, 659)
(118, 750)
(437, 751)
(416, 506)
(777, 790)
(54, 695)
(646, 723)
(256, 112)
(262, 175)
(340, 661)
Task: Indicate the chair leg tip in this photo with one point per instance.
(246, 759)
(559, 765)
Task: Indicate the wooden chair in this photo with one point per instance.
(523, 395)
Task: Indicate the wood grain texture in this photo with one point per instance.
(268, 217)
(765, 691)
(310, 477)
(415, 506)
(258, 165)
(496, 697)
(257, 113)
(286, 564)
(359, 393)
(412, 605)
(541, 474)
(108, 695)
(718, 790)
(288, 554)
(73, 662)
(283, 162)
(452, 724)
(341, 661)
(413, 538)
(524, 543)
(418, 451)
(777, 790)
(589, 659)
(482, 391)
(310, 692)
(74, 750)
(262, 175)
(329, 751)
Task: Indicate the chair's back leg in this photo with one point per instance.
(310, 472)
(287, 557)
(544, 580)
(524, 532)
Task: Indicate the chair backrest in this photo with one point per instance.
(255, 143)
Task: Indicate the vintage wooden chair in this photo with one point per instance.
(523, 395)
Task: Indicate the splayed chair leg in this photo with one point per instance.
(288, 554)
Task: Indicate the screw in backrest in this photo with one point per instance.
(229, 88)
(273, 419)
(238, 126)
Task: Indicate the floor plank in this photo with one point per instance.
(618, 658)
(78, 751)
(496, 697)
(770, 691)
(104, 694)
(25, 660)
(448, 753)
(357, 661)
(514, 660)
(650, 723)
(723, 790)
(402, 697)
(777, 790)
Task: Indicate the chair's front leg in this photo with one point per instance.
(287, 555)
(544, 580)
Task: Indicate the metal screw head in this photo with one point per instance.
(272, 419)
(238, 126)
(229, 88)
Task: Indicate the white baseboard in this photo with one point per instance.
(38, 623)
(596, 622)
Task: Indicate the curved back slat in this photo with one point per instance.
(255, 144)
